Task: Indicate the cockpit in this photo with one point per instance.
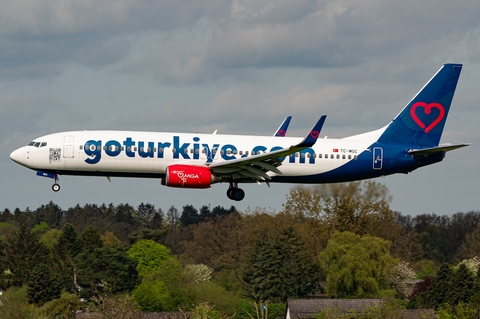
(37, 144)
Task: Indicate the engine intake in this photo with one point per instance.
(187, 176)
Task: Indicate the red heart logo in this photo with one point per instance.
(281, 133)
(314, 134)
(427, 108)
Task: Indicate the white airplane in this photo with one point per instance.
(189, 160)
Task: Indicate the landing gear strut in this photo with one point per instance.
(235, 193)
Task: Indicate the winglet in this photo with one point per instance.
(312, 137)
(282, 129)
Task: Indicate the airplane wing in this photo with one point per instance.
(257, 166)
(435, 150)
(282, 129)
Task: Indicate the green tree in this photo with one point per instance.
(450, 287)
(50, 238)
(152, 296)
(438, 292)
(66, 306)
(14, 304)
(145, 214)
(163, 289)
(148, 254)
(108, 267)
(42, 285)
(281, 269)
(91, 239)
(22, 252)
(357, 266)
(50, 213)
(71, 240)
(189, 216)
(109, 239)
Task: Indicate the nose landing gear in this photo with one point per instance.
(55, 186)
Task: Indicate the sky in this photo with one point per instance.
(239, 67)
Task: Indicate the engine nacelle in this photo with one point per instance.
(187, 176)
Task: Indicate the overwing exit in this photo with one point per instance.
(185, 160)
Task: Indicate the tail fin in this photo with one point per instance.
(421, 122)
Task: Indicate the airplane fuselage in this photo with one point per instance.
(147, 154)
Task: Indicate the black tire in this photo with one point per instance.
(237, 194)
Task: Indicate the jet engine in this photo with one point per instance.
(187, 176)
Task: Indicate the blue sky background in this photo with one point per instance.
(240, 67)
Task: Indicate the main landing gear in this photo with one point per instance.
(235, 193)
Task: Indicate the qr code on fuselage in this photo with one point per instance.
(55, 154)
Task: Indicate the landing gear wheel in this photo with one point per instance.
(55, 187)
(235, 193)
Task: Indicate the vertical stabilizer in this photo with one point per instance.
(421, 122)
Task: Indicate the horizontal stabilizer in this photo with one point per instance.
(436, 150)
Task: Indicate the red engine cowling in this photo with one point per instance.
(187, 176)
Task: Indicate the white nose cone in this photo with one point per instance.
(18, 156)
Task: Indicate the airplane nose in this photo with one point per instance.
(18, 156)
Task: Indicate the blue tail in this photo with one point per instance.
(421, 122)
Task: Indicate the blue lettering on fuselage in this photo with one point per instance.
(189, 150)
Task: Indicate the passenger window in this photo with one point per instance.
(338, 156)
(332, 156)
(246, 153)
(319, 155)
(343, 156)
(81, 147)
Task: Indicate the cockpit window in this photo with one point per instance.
(37, 144)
